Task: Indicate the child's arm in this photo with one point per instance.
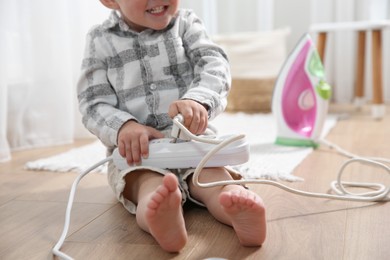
(98, 102)
(212, 78)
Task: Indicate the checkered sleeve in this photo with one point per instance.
(98, 102)
(212, 78)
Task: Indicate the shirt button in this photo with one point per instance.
(153, 86)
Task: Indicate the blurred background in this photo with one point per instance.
(42, 43)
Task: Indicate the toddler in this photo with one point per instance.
(145, 64)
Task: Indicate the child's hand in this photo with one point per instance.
(133, 141)
(195, 114)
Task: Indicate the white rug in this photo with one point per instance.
(267, 159)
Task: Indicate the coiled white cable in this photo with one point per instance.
(380, 192)
(338, 186)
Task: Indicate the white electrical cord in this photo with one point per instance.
(380, 192)
(56, 249)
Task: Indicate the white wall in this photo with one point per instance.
(230, 16)
(294, 14)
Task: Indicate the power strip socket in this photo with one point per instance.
(165, 153)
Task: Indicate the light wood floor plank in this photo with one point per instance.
(29, 229)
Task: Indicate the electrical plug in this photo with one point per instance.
(176, 132)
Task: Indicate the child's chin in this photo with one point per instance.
(160, 27)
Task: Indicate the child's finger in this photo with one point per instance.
(128, 153)
(122, 149)
(144, 146)
(173, 110)
(135, 152)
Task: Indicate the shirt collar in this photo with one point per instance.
(115, 20)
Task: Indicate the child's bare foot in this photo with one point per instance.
(164, 215)
(247, 214)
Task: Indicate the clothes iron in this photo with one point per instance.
(301, 97)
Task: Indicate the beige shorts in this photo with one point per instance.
(116, 180)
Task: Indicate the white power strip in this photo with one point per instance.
(165, 153)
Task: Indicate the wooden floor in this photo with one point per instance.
(32, 206)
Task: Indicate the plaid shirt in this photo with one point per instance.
(128, 75)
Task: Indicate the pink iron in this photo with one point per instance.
(301, 96)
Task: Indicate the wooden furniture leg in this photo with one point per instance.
(378, 109)
(321, 46)
(360, 75)
(377, 66)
